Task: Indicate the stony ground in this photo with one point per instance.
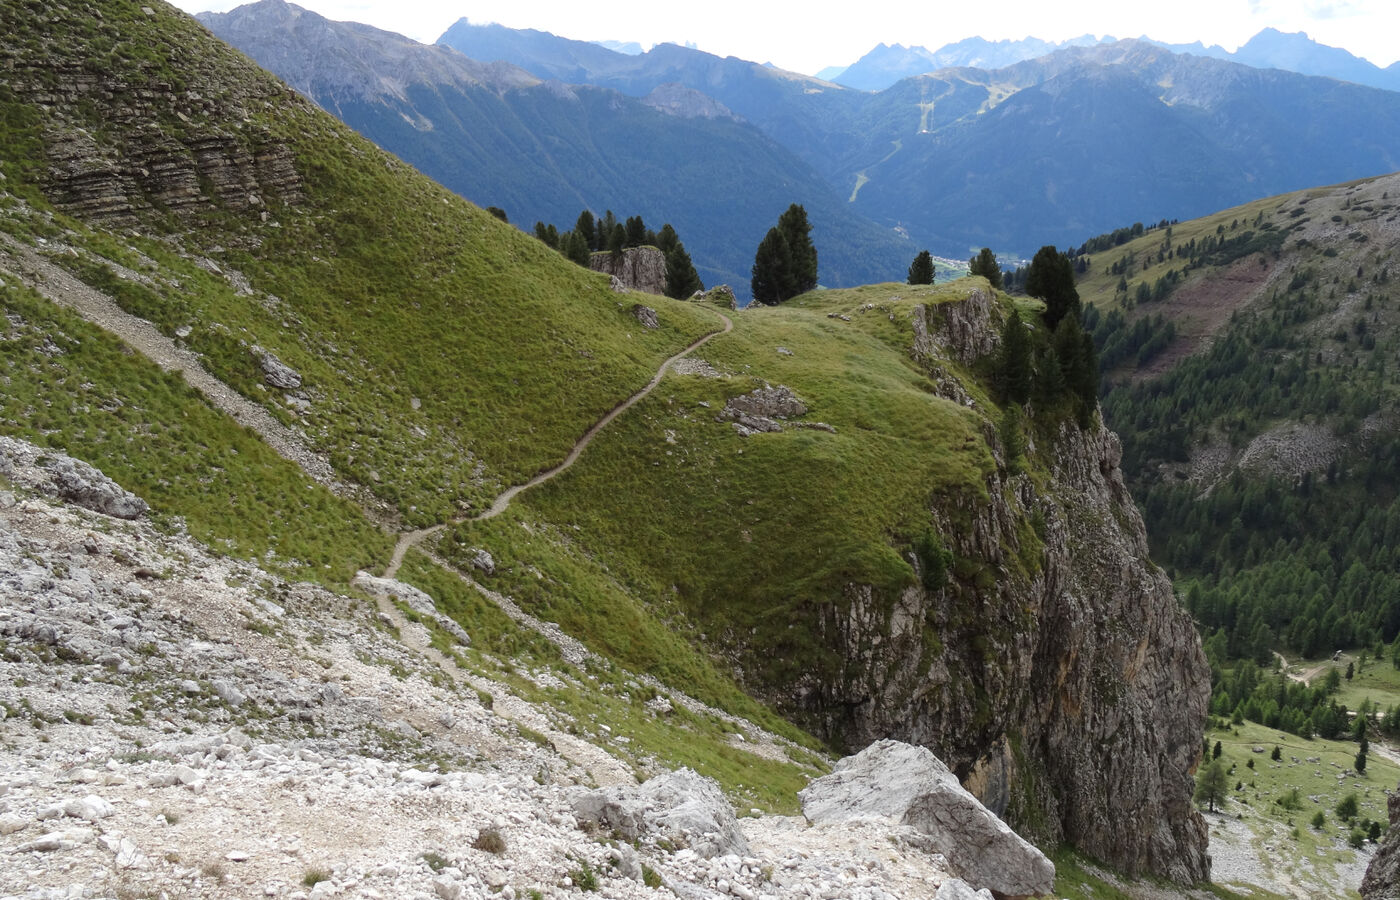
(178, 724)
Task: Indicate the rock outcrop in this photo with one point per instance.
(638, 268)
(1055, 672)
(1382, 880)
(59, 475)
(681, 807)
(761, 409)
(908, 785)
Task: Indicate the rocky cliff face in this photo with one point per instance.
(638, 268)
(1382, 881)
(147, 159)
(1054, 670)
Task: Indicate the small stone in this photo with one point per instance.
(90, 808)
(190, 686)
(238, 856)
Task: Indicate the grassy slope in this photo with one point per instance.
(674, 517)
(381, 288)
(1301, 853)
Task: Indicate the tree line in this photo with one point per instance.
(607, 233)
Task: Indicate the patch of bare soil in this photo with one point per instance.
(1202, 307)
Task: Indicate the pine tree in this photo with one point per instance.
(548, 235)
(797, 231)
(921, 269)
(986, 265)
(498, 213)
(1051, 278)
(681, 278)
(1212, 785)
(587, 229)
(666, 239)
(575, 247)
(1014, 366)
(605, 230)
(772, 281)
(617, 240)
(636, 231)
(1013, 442)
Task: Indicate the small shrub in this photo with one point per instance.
(490, 840)
(314, 877)
(436, 861)
(1319, 820)
(649, 877)
(214, 870)
(1357, 838)
(1348, 808)
(584, 878)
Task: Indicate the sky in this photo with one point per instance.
(800, 38)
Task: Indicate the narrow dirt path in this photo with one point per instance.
(66, 290)
(411, 539)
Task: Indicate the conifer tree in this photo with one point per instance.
(1051, 278)
(681, 278)
(605, 230)
(617, 240)
(986, 265)
(575, 247)
(772, 280)
(1014, 368)
(921, 269)
(1212, 785)
(587, 229)
(498, 213)
(666, 238)
(797, 231)
(636, 231)
(548, 235)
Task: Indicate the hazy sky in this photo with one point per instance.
(803, 38)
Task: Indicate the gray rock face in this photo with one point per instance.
(1068, 695)
(638, 268)
(1382, 879)
(681, 806)
(58, 475)
(646, 316)
(759, 410)
(910, 786)
(277, 373)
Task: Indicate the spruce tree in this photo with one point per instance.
(921, 269)
(1051, 278)
(636, 231)
(606, 224)
(772, 280)
(498, 213)
(617, 240)
(986, 265)
(587, 229)
(797, 231)
(548, 235)
(575, 247)
(681, 278)
(666, 239)
(1014, 365)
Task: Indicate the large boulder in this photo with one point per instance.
(682, 807)
(908, 785)
(56, 474)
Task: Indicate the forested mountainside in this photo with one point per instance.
(830, 519)
(544, 151)
(1250, 372)
(1043, 151)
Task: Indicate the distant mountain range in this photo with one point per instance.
(1046, 150)
(545, 150)
(886, 64)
